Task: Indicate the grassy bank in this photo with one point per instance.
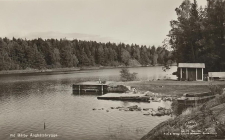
(172, 87)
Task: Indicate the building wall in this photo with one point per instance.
(199, 74)
(190, 75)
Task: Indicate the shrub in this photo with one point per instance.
(125, 75)
(215, 89)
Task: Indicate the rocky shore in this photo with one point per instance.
(146, 111)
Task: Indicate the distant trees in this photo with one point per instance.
(198, 34)
(125, 56)
(52, 53)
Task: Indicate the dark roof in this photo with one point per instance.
(191, 65)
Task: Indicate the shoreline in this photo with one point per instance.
(172, 87)
(3, 72)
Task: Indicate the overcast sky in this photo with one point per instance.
(144, 22)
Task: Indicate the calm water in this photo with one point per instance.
(27, 101)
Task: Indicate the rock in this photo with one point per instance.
(130, 109)
(147, 113)
(129, 87)
(119, 107)
(167, 99)
(112, 108)
(167, 111)
(107, 110)
(155, 99)
(94, 109)
(160, 108)
(138, 109)
(117, 88)
(158, 114)
(145, 109)
(133, 107)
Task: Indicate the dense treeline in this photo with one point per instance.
(52, 53)
(198, 34)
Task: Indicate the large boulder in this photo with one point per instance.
(117, 88)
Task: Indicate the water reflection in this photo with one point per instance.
(27, 101)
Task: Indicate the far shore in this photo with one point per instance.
(67, 69)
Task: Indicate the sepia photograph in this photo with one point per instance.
(112, 69)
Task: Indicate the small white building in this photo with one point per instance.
(191, 71)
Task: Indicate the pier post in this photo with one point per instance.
(186, 74)
(196, 75)
(202, 75)
(102, 89)
(79, 89)
(180, 74)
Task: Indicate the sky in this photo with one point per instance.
(143, 22)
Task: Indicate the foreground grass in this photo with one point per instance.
(209, 117)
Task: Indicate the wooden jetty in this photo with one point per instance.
(124, 97)
(97, 87)
(83, 88)
(193, 99)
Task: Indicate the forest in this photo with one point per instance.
(198, 34)
(20, 54)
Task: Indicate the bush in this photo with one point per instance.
(215, 89)
(125, 75)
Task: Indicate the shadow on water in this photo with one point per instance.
(88, 93)
(31, 102)
(83, 93)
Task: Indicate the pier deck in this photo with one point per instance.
(98, 88)
(125, 97)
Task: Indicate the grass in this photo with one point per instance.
(171, 87)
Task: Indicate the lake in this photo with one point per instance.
(30, 102)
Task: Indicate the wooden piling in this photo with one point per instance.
(79, 89)
(102, 89)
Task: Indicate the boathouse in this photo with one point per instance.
(191, 71)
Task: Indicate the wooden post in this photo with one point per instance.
(195, 101)
(79, 89)
(102, 89)
(196, 74)
(186, 74)
(202, 74)
(180, 74)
